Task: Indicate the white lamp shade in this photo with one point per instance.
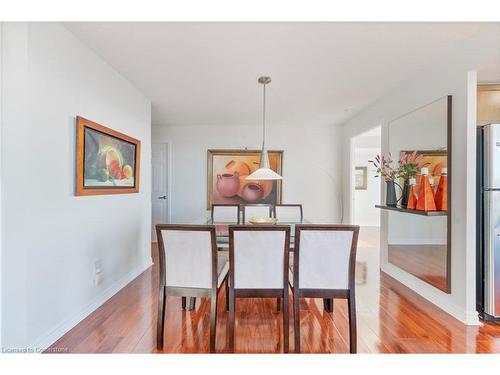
(264, 174)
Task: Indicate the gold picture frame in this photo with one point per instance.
(107, 161)
(361, 178)
(226, 182)
(434, 160)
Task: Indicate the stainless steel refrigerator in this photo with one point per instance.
(488, 222)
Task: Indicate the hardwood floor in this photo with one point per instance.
(391, 319)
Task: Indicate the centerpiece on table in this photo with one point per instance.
(262, 220)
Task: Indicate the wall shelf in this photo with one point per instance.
(413, 212)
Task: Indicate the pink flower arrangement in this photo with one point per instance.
(407, 167)
(383, 164)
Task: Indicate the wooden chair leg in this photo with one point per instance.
(353, 338)
(213, 320)
(296, 321)
(183, 303)
(328, 304)
(192, 303)
(230, 324)
(160, 324)
(286, 321)
(227, 294)
(278, 304)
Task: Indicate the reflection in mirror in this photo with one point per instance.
(419, 244)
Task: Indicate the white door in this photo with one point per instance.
(159, 188)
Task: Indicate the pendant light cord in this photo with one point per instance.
(264, 118)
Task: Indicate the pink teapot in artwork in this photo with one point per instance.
(228, 184)
(252, 193)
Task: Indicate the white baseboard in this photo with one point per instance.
(54, 334)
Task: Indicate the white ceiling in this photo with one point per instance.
(489, 73)
(206, 73)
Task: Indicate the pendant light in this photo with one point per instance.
(264, 172)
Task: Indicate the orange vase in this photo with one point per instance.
(413, 196)
(441, 197)
(425, 200)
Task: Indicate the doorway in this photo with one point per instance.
(160, 194)
(365, 194)
(365, 186)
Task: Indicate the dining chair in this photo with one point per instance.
(288, 213)
(324, 264)
(225, 213)
(190, 265)
(260, 210)
(258, 258)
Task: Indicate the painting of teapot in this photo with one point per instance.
(228, 184)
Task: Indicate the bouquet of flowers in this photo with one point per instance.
(408, 165)
(385, 169)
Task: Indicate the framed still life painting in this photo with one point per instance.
(434, 160)
(107, 162)
(227, 183)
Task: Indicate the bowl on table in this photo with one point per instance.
(262, 220)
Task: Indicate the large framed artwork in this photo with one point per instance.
(227, 183)
(434, 160)
(107, 161)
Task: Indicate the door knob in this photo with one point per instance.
(163, 197)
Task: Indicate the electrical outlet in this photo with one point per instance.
(98, 275)
(98, 278)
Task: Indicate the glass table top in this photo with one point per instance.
(222, 229)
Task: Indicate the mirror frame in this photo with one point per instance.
(450, 186)
(446, 289)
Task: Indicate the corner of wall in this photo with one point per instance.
(1, 183)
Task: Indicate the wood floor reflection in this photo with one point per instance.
(427, 262)
(391, 319)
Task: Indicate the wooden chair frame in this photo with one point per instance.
(224, 205)
(271, 209)
(259, 293)
(289, 205)
(326, 294)
(165, 291)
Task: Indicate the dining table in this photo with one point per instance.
(222, 228)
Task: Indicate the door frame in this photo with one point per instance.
(350, 204)
(168, 182)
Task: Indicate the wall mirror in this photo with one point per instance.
(418, 242)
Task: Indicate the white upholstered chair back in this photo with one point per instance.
(325, 258)
(256, 210)
(288, 213)
(225, 214)
(188, 258)
(259, 257)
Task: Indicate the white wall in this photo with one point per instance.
(311, 164)
(52, 238)
(365, 212)
(450, 77)
(1, 191)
